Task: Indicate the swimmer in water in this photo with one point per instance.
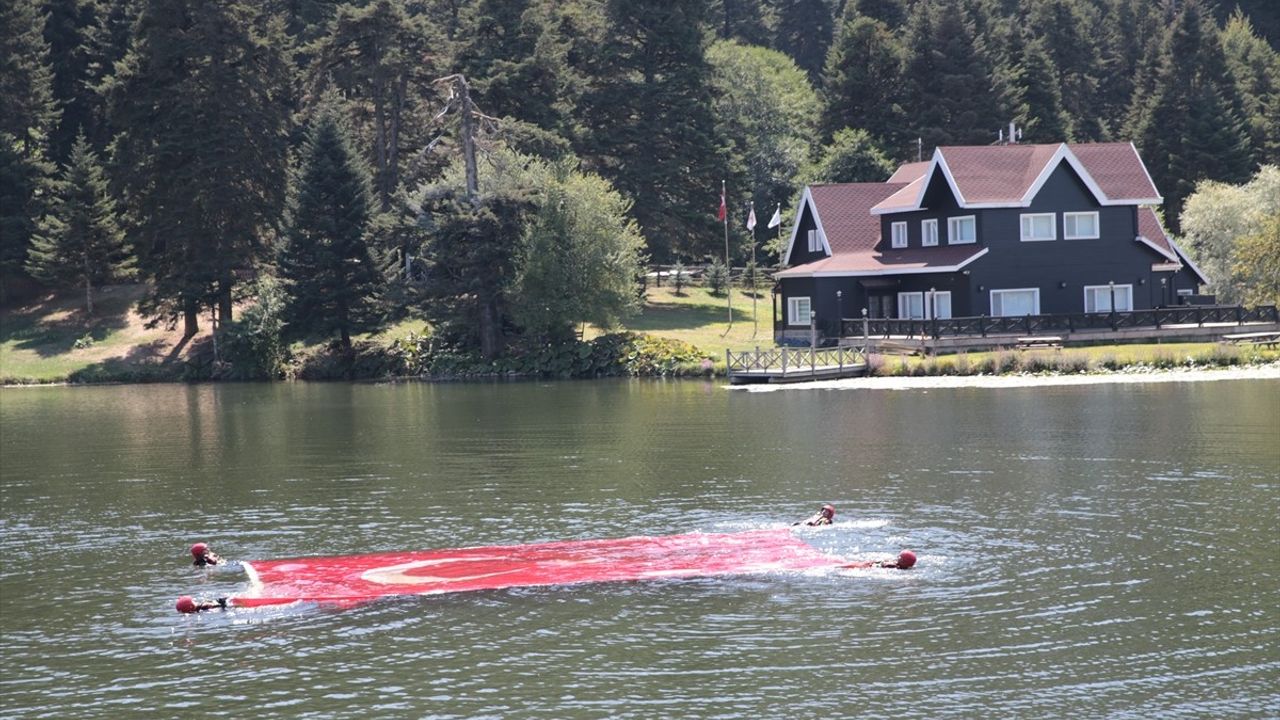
(204, 556)
(188, 604)
(905, 561)
(824, 516)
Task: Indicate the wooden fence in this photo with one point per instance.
(785, 359)
(983, 325)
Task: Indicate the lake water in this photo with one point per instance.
(1098, 552)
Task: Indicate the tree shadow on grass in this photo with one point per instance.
(53, 325)
(681, 316)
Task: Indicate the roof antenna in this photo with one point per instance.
(919, 149)
(1014, 132)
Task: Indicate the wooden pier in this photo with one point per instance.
(790, 365)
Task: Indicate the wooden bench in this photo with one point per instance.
(1043, 341)
(1260, 339)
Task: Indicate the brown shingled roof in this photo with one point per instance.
(890, 262)
(1005, 174)
(845, 212)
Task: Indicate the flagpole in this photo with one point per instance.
(728, 269)
(755, 320)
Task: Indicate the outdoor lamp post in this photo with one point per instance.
(866, 328)
(1111, 284)
(840, 313)
(1164, 291)
(813, 330)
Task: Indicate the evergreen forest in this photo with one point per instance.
(506, 168)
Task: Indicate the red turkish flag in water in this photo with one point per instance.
(356, 578)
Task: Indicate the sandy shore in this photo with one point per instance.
(1263, 372)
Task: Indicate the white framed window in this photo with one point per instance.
(924, 305)
(1037, 227)
(911, 305)
(929, 232)
(798, 309)
(962, 230)
(1080, 225)
(1015, 302)
(814, 244)
(938, 304)
(1097, 298)
(1186, 292)
(898, 233)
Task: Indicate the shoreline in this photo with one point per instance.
(1270, 371)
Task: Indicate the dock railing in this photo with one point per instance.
(983, 325)
(792, 360)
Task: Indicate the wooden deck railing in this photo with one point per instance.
(983, 325)
(787, 359)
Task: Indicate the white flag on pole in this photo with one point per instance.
(751, 218)
(776, 220)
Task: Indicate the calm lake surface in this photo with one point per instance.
(1097, 552)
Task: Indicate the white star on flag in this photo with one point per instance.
(751, 218)
(776, 220)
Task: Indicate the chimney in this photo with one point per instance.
(1013, 132)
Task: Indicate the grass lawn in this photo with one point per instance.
(52, 338)
(702, 319)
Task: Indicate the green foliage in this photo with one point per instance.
(649, 125)
(717, 277)
(1255, 263)
(626, 354)
(767, 112)
(679, 277)
(1255, 67)
(382, 57)
(330, 274)
(862, 86)
(754, 278)
(27, 115)
(946, 92)
(1189, 128)
(1218, 217)
(202, 105)
(578, 258)
(852, 156)
(253, 347)
(81, 242)
(805, 29)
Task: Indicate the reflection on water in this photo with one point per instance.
(1106, 551)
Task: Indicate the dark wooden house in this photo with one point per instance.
(998, 230)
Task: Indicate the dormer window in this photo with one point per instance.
(1039, 226)
(929, 232)
(814, 243)
(962, 230)
(1080, 225)
(898, 231)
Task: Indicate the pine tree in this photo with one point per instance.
(1128, 30)
(863, 79)
(1030, 93)
(1190, 127)
(1255, 67)
(81, 242)
(947, 89)
(890, 12)
(383, 59)
(749, 21)
(202, 105)
(1066, 29)
(649, 121)
(27, 115)
(517, 53)
(805, 29)
(71, 29)
(852, 156)
(330, 274)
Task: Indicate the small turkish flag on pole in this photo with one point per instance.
(723, 212)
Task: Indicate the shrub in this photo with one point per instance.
(252, 348)
(1072, 363)
(1006, 362)
(717, 277)
(679, 276)
(1108, 362)
(963, 366)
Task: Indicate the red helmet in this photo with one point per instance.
(199, 550)
(906, 559)
(829, 508)
(186, 604)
